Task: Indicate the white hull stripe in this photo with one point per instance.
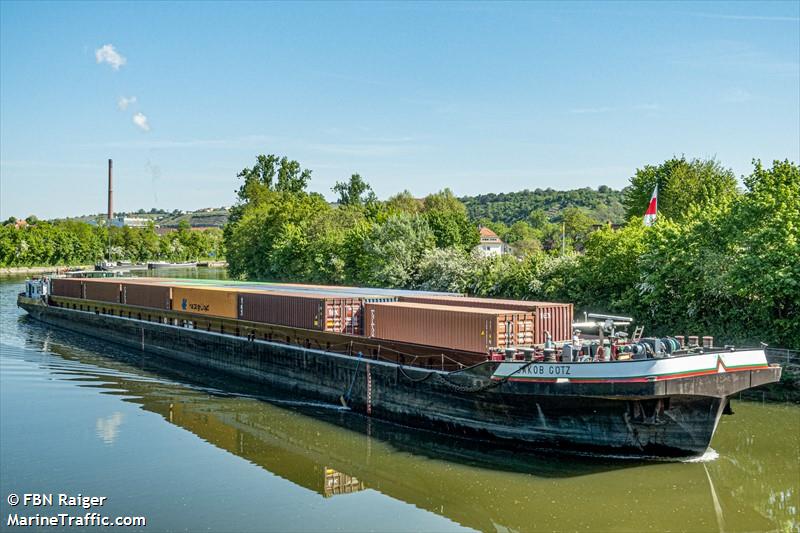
(633, 371)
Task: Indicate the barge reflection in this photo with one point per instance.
(333, 452)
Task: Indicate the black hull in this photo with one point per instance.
(636, 420)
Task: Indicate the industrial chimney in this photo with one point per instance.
(110, 194)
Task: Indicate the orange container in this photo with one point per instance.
(205, 301)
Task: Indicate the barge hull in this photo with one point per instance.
(635, 419)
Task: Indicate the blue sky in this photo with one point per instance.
(478, 97)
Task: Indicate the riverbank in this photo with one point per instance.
(16, 271)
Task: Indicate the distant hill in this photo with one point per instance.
(203, 218)
(210, 217)
(604, 204)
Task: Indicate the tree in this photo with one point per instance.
(577, 226)
(403, 202)
(538, 219)
(602, 204)
(765, 252)
(447, 218)
(356, 191)
(271, 174)
(444, 269)
(394, 250)
(681, 184)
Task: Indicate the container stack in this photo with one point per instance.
(549, 317)
(444, 320)
(303, 310)
(471, 329)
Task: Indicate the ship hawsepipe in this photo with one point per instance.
(666, 407)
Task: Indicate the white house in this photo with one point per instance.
(133, 222)
(491, 243)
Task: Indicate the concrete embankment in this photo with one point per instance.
(16, 271)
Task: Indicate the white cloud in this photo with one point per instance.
(590, 110)
(647, 107)
(141, 120)
(107, 54)
(748, 17)
(736, 96)
(125, 101)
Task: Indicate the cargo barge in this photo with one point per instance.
(493, 370)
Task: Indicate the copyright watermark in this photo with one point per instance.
(65, 510)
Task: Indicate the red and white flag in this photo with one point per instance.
(650, 214)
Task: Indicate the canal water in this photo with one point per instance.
(192, 451)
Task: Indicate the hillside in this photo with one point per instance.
(211, 217)
(602, 204)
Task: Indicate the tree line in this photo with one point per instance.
(719, 261)
(70, 242)
(603, 204)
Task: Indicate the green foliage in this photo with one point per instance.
(607, 276)
(356, 191)
(394, 250)
(444, 269)
(403, 202)
(577, 226)
(273, 237)
(447, 218)
(764, 270)
(545, 205)
(718, 261)
(77, 243)
(681, 184)
(269, 175)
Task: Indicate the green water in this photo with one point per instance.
(193, 451)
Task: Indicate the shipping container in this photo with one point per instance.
(550, 317)
(102, 290)
(211, 301)
(471, 329)
(69, 287)
(302, 310)
(144, 295)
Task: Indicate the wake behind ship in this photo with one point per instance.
(508, 371)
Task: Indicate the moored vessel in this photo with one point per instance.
(610, 395)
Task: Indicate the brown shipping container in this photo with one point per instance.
(153, 296)
(101, 290)
(308, 311)
(552, 317)
(205, 301)
(471, 329)
(69, 287)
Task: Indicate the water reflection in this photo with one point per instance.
(752, 486)
(108, 427)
